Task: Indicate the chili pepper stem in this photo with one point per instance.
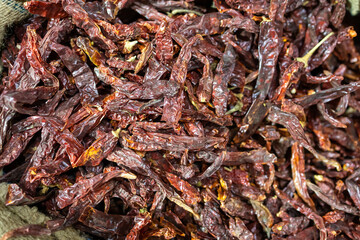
(306, 57)
(177, 11)
(116, 132)
(239, 105)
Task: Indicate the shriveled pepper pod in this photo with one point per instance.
(184, 119)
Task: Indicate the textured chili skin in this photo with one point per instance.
(184, 119)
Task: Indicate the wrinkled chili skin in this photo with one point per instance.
(184, 119)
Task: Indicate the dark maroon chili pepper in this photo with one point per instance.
(235, 119)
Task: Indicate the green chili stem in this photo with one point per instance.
(177, 11)
(306, 57)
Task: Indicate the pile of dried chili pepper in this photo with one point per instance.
(235, 119)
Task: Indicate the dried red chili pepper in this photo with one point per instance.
(184, 119)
